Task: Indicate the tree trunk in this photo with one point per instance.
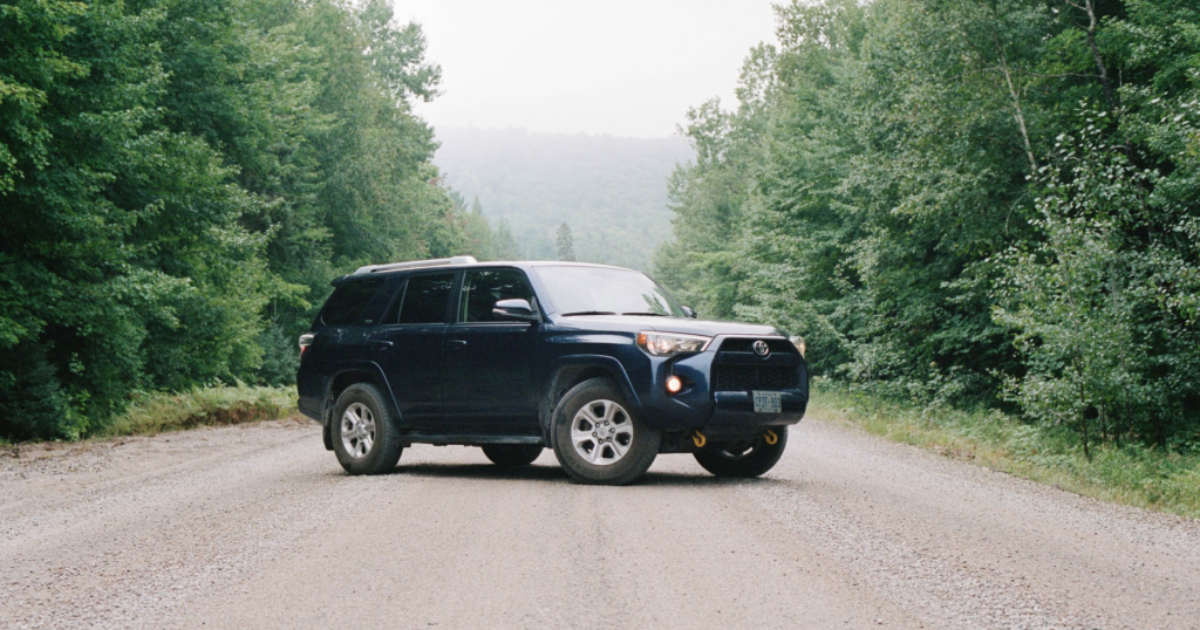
(1018, 111)
(1089, 7)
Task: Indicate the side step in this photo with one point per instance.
(409, 439)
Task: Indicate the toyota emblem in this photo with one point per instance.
(761, 348)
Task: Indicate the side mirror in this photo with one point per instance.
(687, 310)
(515, 310)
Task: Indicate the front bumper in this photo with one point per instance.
(721, 412)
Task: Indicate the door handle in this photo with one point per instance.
(456, 344)
(380, 344)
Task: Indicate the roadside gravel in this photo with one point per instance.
(256, 526)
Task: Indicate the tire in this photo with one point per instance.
(745, 459)
(512, 455)
(621, 453)
(365, 438)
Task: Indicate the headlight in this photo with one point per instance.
(799, 343)
(671, 344)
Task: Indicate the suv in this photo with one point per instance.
(598, 363)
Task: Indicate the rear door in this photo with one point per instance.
(489, 361)
(408, 347)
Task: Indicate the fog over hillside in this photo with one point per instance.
(611, 191)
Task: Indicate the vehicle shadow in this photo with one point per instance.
(482, 471)
(695, 479)
(555, 474)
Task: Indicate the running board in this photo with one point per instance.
(468, 440)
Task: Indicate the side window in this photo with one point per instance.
(482, 289)
(349, 300)
(425, 299)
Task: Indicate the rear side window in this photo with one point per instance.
(426, 298)
(349, 300)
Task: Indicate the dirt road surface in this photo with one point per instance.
(257, 527)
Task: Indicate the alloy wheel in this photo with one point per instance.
(602, 432)
(358, 430)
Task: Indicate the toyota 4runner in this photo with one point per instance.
(598, 363)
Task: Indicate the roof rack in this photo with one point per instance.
(436, 262)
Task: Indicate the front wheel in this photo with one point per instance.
(596, 437)
(744, 458)
(512, 455)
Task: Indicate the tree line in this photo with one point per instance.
(968, 202)
(181, 179)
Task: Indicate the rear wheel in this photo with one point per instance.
(512, 455)
(744, 458)
(596, 437)
(364, 437)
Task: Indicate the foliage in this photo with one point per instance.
(180, 180)
(965, 202)
(32, 403)
(1104, 353)
(149, 414)
(504, 244)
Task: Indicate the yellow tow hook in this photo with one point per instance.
(699, 440)
(771, 437)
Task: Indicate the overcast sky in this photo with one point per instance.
(616, 67)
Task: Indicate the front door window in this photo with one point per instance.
(482, 289)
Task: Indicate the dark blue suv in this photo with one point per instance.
(598, 363)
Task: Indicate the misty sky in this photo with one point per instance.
(618, 67)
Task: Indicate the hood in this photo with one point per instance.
(634, 323)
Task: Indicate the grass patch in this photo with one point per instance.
(1131, 475)
(154, 413)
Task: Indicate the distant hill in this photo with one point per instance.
(611, 191)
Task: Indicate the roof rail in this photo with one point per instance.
(436, 262)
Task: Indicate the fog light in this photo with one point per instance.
(674, 384)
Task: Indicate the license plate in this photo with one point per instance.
(768, 402)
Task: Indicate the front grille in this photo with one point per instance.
(741, 344)
(728, 378)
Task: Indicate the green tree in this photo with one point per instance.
(964, 202)
(181, 178)
(564, 243)
(504, 245)
(477, 231)
(123, 235)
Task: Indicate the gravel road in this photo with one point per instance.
(257, 527)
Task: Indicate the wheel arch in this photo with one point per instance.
(572, 370)
(344, 378)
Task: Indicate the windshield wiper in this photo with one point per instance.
(646, 313)
(588, 313)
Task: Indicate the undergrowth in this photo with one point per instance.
(153, 413)
(1141, 476)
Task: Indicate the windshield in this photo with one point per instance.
(603, 291)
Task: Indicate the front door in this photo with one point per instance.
(408, 347)
(489, 361)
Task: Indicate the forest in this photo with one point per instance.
(979, 204)
(973, 203)
(180, 181)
